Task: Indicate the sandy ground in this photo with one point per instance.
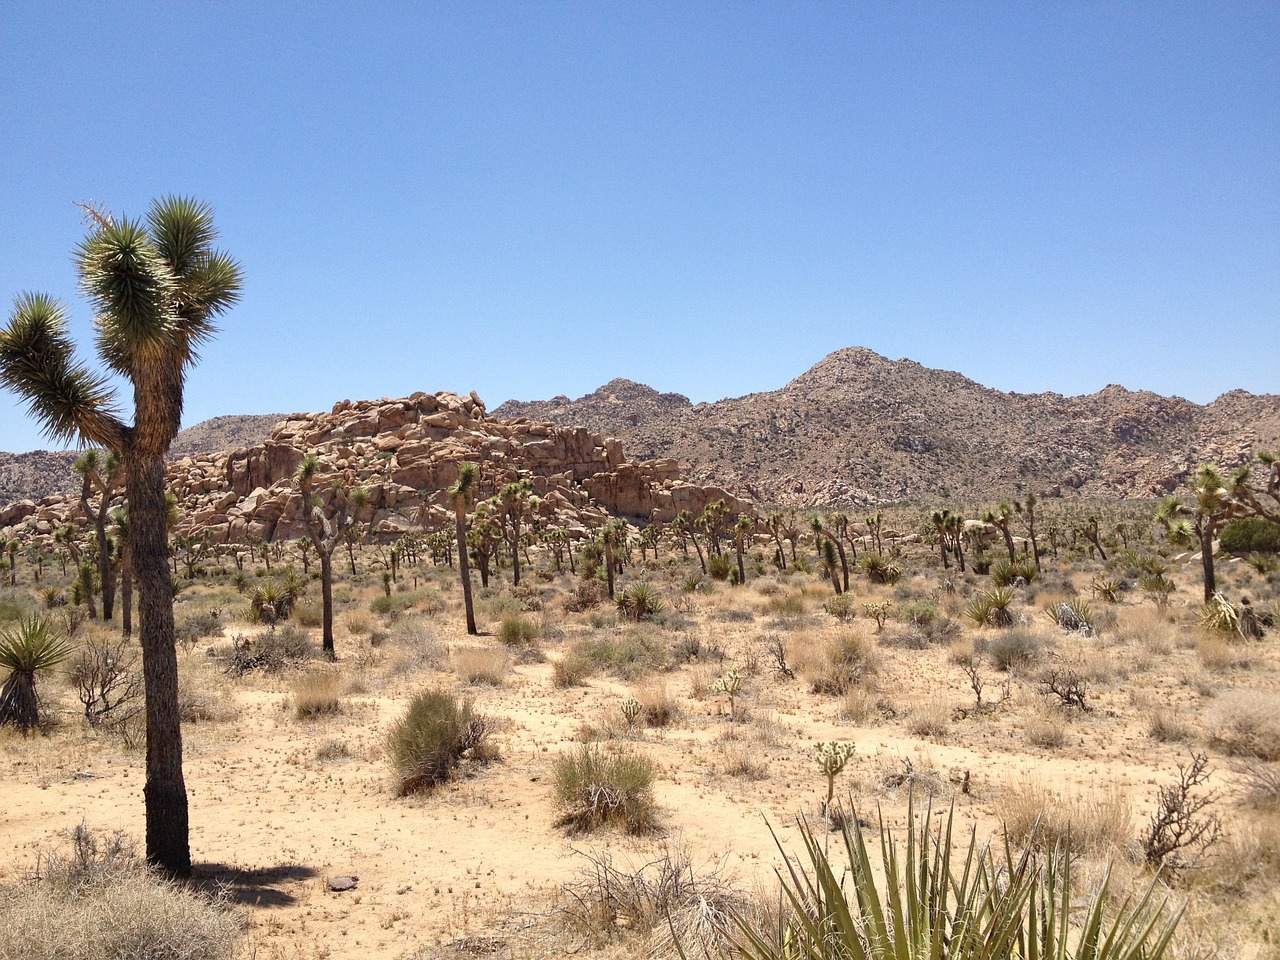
(482, 857)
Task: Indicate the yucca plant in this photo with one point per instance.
(31, 646)
(1075, 615)
(938, 902)
(991, 609)
(640, 601)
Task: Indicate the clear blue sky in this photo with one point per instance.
(532, 199)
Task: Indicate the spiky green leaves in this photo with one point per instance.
(208, 280)
(37, 361)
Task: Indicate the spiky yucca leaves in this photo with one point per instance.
(640, 601)
(939, 901)
(26, 649)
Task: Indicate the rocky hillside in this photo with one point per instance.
(35, 475)
(405, 453)
(858, 428)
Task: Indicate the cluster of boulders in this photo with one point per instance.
(405, 453)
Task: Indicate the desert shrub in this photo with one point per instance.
(202, 702)
(1013, 649)
(17, 604)
(1220, 615)
(107, 681)
(271, 651)
(930, 718)
(850, 659)
(310, 615)
(879, 569)
(980, 563)
(657, 708)
(419, 643)
(100, 903)
(316, 692)
(787, 606)
(663, 899)
(1006, 572)
(1246, 723)
(195, 627)
(628, 653)
(991, 609)
(427, 744)
(573, 669)
(517, 631)
(640, 601)
(1250, 535)
(981, 902)
(918, 613)
(1046, 728)
(842, 607)
(719, 566)
(1098, 822)
(596, 788)
(1167, 727)
(587, 594)
(481, 664)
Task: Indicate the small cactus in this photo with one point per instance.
(879, 612)
(729, 685)
(832, 757)
(631, 710)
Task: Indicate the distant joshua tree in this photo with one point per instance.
(326, 532)
(460, 495)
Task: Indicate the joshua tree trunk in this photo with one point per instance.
(464, 568)
(1206, 561)
(325, 555)
(168, 846)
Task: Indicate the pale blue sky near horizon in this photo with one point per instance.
(530, 199)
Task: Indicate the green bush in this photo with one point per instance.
(938, 899)
(842, 607)
(516, 631)
(428, 743)
(1004, 572)
(1250, 535)
(1015, 648)
(640, 601)
(787, 606)
(628, 654)
(719, 566)
(596, 788)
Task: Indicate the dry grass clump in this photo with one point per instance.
(427, 744)
(100, 903)
(1246, 723)
(862, 706)
(628, 654)
(316, 692)
(487, 665)
(1047, 728)
(929, 719)
(598, 788)
(657, 707)
(1014, 649)
(202, 700)
(845, 661)
(1167, 727)
(1100, 822)
(518, 631)
(665, 901)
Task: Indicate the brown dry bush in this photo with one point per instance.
(847, 661)
(481, 664)
(100, 903)
(1246, 723)
(1100, 822)
(316, 692)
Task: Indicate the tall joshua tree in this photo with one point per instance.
(326, 532)
(101, 472)
(460, 495)
(157, 286)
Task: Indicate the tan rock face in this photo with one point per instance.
(405, 453)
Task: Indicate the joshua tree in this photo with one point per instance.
(823, 537)
(954, 529)
(774, 525)
(830, 563)
(1089, 530)
(744, 528)
(157, 287)
(1001, 518)
(11, 548)
(684, 526)
(460, 494)
(714, 516)
(513, 505)
(613, 536)
(327, 532)
(1026, 509)
(939, 520)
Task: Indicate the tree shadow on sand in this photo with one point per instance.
(257, 887)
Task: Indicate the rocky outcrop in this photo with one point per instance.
(405, 453)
